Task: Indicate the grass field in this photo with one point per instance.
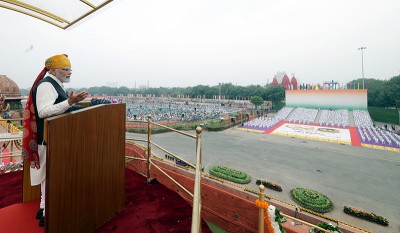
(384, 115)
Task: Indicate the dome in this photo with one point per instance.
(8, 87)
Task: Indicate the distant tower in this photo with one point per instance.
(286, 82)
(274, 81)
(293, 81)
(148, 84)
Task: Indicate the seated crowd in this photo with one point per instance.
(371, 134)
(265, 123)
(164, 110)
(337, 118)
(362, 118)
(303, 115)
(283, 113)
(262, 123)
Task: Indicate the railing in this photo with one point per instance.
(11, 139)
(196, 211)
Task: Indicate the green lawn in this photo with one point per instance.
(385, 115)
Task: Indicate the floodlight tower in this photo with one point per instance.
(362, 63)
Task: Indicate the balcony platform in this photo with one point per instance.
(148, 208)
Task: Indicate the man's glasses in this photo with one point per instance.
(66, 69)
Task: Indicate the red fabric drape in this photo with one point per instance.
(30, 136)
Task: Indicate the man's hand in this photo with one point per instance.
(75, 98)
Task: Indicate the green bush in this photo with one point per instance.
(326, 226)
(156, 130)
(230, 174)
(221, 126)
(367, 216)
(311, 200)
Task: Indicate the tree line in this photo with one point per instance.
(381, 93)
(225, 90)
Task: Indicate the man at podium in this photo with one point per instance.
(47, 98)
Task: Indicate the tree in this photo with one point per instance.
(257, 101)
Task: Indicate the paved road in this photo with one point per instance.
(364, 178)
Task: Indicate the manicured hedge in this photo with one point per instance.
(367, 216)
(230, 174)
(326, 226)
(155, 130)
(184, 126)
(311, 200)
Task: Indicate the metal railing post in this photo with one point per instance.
(261, 210)
(148, 148)
(196, 213)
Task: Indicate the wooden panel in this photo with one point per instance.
(29, 193)
(85, 168)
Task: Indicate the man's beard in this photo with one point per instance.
(65, 79)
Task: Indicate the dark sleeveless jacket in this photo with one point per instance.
(62, 95)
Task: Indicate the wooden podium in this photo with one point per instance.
(85, 179)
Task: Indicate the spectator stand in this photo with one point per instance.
(375, 137)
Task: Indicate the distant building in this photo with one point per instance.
(282, 79)
(13, 96)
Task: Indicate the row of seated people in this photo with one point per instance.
(283, 113)
(268, 122)
(370, 134)
(303, 115)
(362, 118)
(262, 123)
(338, 118)
(176, 111)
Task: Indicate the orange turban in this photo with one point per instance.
(57, 61)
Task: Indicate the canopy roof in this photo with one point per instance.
(60, 13)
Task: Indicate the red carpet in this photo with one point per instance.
(10, 189)
(270, 130)
(355, 140)
(20, 218)
(149, 208)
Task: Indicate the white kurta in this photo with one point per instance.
(46, 96)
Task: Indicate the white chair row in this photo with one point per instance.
(303, 115)
(362, 118)
(338, 118)
(378, 136)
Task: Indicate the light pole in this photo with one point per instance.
(362, 62)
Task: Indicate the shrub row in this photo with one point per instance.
(230, 174)
(326, 226)
(312, 200)
(366, 216)
(211, 125)
(155, 130)
(270, 185)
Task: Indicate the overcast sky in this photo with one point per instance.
(180, 43)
